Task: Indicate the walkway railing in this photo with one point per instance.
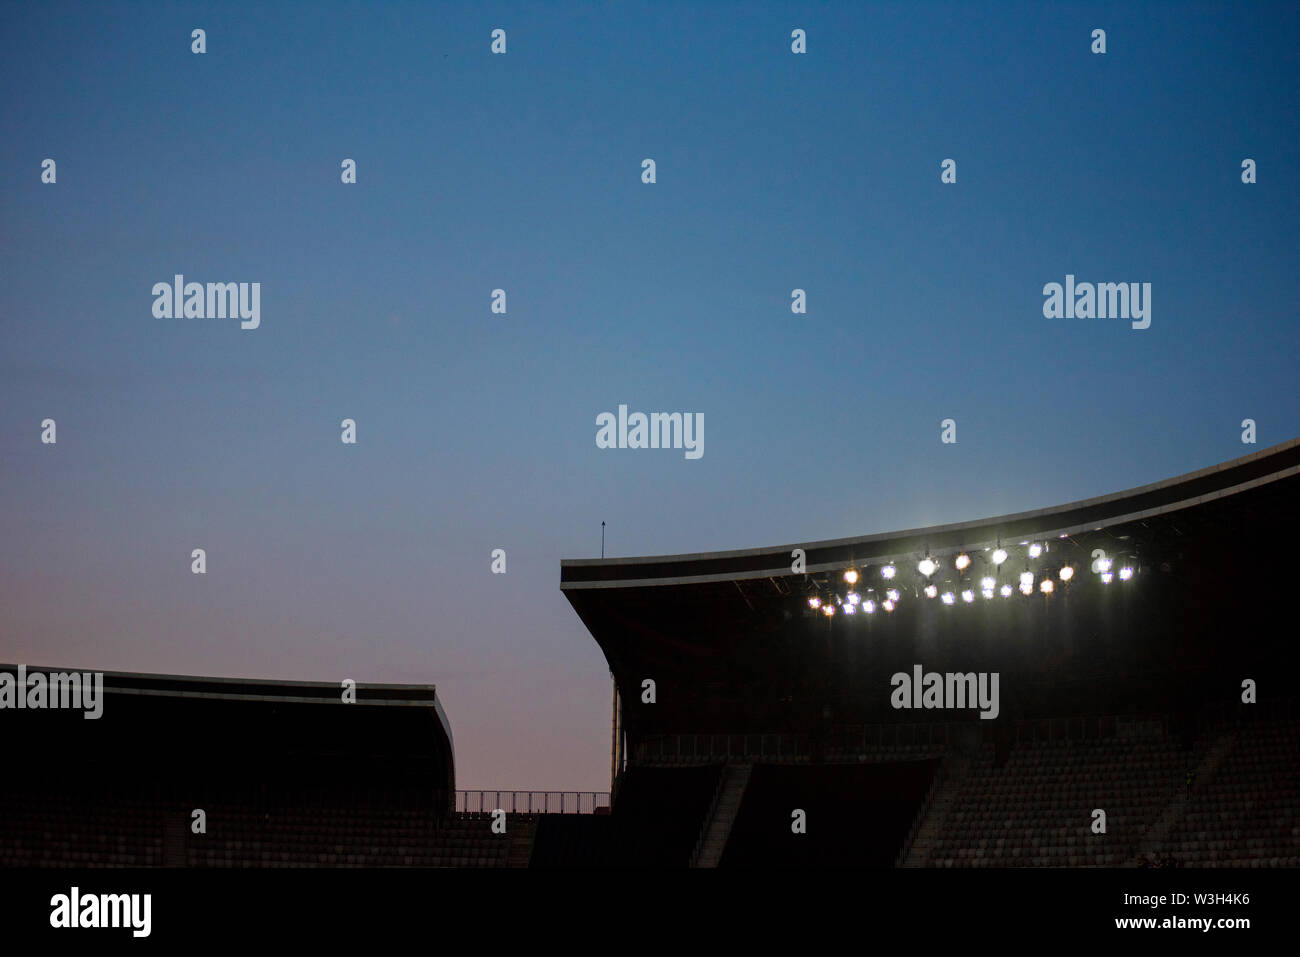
(532, 802)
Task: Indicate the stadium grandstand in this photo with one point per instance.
(968, 695)
(833, 702)
(285, 774)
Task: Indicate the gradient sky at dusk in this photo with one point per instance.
(522, 171)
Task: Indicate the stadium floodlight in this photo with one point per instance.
(988, 583)
(853, 597)
(927, 566)
(869, 607)
(887, 605)
(948, 598)
(967, 596)
(1006, 591)
(887, 571)
(1126, 573)
(1026, 579)
(999, 556)
(892, 594)
(987, 592)
(851, 576)
(1067, 573)
(1035, 550)
(1046, 586)
(962, 562)
(931, 590)
(814, 602)
(1106, 577)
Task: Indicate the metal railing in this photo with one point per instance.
(842, 743)
(708, 817)
(532, 802)
(940, 775)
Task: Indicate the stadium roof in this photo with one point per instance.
(1168, 500)
(406, 709)
(253, 689)
(736, 641)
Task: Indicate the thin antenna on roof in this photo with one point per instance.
(602, 539)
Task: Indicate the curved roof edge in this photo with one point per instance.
(1194, 488)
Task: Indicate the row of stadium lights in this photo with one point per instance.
(927, 566)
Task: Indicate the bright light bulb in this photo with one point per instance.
(962, 562)
(1035, 550)
(892, 594)
(1026, 579)
(828, 610)
(887, 605)
(853, 597)
(927, 566)
(851, 576)
(869, 606)
(968, 596)
(814, 602)
(931, 591)
(987, 583)
(1006, 591)
(1067, 573)
(887, 571)
(948, 598)
(999, 556)
(987, 592)
(1125, 573)
(1046, 586)
(1106, 577)
(850, 609)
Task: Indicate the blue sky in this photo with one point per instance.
(522, 172)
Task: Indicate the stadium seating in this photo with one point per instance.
(1245, 814)
(1037, 809)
